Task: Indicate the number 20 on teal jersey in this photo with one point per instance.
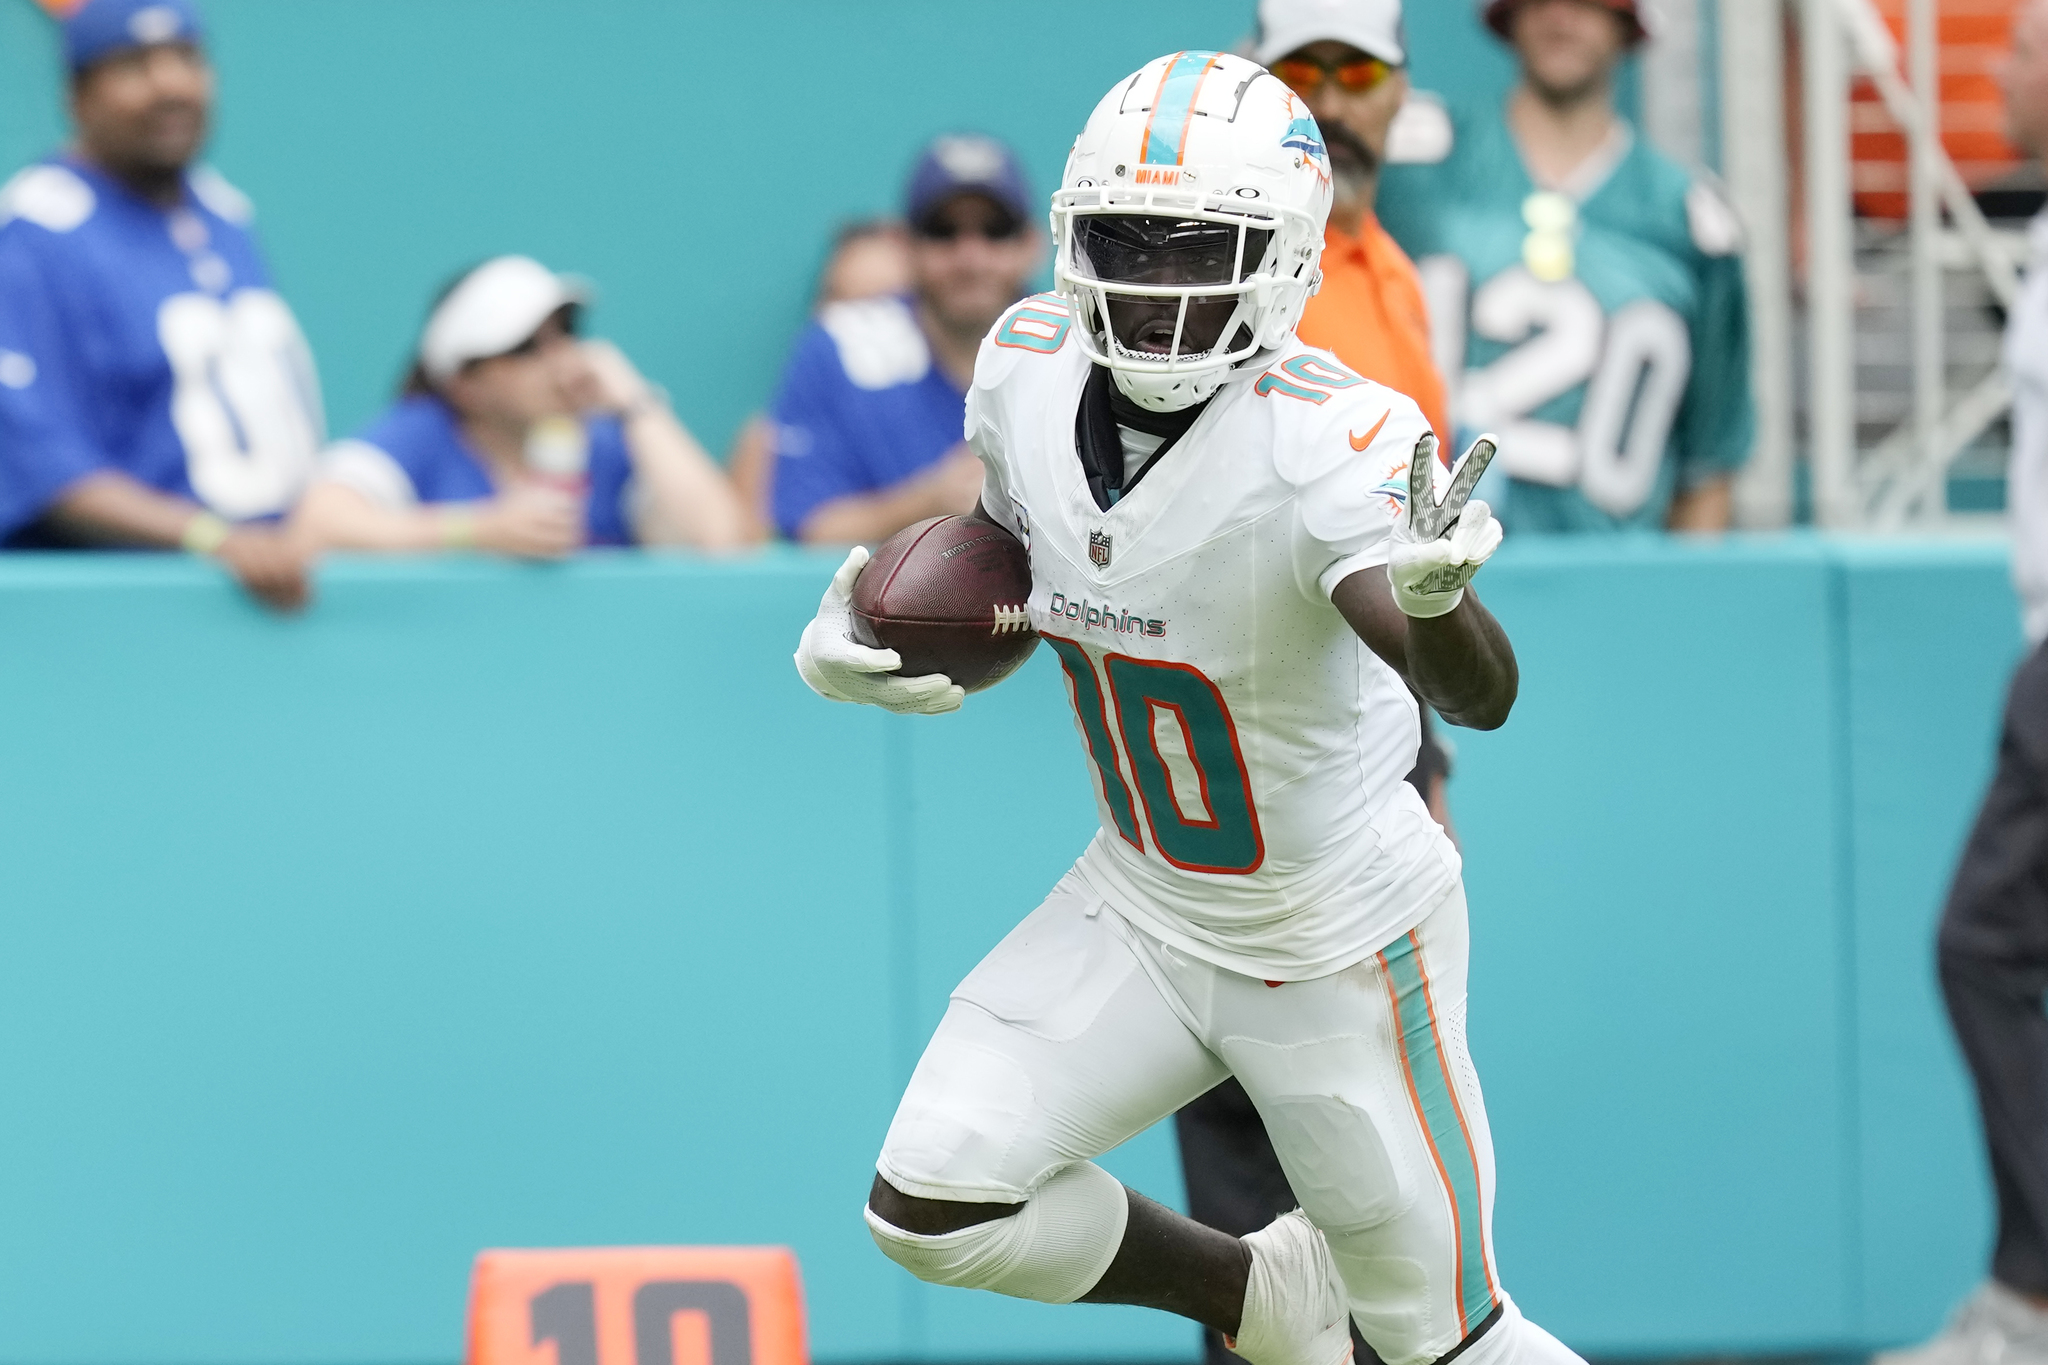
(1222, 835)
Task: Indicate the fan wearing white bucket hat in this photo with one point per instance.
(516, 437)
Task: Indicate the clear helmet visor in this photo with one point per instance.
(1169, 315)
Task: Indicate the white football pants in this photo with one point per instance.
(1078, 1032)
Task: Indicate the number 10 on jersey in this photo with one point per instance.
(1166, 725)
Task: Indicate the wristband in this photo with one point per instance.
(458, 530)
(204, 534)
(653, 398)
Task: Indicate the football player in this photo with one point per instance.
(154, 389)
(1238, 555)
(1585, 291)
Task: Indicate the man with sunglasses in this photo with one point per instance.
(1586, 289)
(1347, 61)
(155, 391)
(868, 421)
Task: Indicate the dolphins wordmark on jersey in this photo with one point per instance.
(1245, 748)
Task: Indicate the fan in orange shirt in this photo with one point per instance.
(1345, 58)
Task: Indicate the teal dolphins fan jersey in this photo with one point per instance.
(1599, 329)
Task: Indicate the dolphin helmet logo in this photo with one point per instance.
(1303, 136)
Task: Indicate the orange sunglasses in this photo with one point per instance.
(1306, 75)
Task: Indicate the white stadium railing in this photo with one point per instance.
(1900, 479)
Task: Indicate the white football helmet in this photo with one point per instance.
(1190, 224)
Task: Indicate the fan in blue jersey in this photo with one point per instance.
(515, 437)
(1586, 291)
(154, 389)
(868, 420)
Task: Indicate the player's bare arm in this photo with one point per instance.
(1418, 613)
(1461, 663)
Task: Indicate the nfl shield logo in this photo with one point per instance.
(1098, 549)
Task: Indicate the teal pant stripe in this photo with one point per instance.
(1456, 1161)
(1172, 107)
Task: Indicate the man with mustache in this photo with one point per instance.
(154, 389)
(1347, 59)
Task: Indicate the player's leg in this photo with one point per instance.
(1057, 1048)
(1054, 1050)
(1234, 1181)
(1374, 1107)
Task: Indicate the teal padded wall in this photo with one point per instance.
(1930, 637)
(491, 905)
(1655, 936)
(692, 158)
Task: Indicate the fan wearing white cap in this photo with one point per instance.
(513, 436)
(1347, 60)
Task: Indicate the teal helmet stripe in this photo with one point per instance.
(1173, 108)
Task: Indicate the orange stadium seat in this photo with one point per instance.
(637, 1306)
(1974, 36)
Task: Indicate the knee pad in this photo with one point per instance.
(1054, 1249)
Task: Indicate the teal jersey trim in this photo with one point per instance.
(1443, 1120)
(1173, 107)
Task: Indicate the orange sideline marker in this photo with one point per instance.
(637, 1306)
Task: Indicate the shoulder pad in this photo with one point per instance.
(880, 346)
(1422, 133)
(1333, 416)
(212, 189)
(1033, 327)
(1711, 219)
(52, 197)
(1040, 323)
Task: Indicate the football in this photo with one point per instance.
(948, 594)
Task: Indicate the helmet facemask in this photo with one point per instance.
(1169, 299)
(1162, 261)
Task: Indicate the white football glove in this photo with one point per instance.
(1438, 546)
(840, 668)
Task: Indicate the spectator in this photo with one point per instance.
(1993, 945)
(868, 423)
(1348, 61)
(154, 389)
(1587, 289)
(513, 436)
(869, 259)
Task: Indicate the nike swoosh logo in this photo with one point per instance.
(1361, 442)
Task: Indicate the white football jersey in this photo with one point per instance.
(1248, 750)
